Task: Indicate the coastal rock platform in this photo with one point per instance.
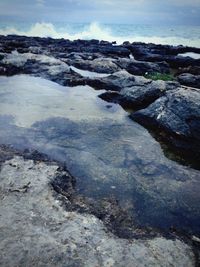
(82, 182)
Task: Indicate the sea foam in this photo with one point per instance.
(100, 32)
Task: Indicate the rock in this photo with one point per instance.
(24, 44)
(109, 65)
(139, 48)
(141, 67)
(40, 65)
(188, 79)
(3, 71)
(104, 150)
(36, 231)
(117, 81)
(126, 190)
(139, 96)
(74, 56)
(131, 91)
(167, 53)
(195, 70)
(99, 65)
(178, 114)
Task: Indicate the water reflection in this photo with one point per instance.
(109, 154)
(190, 54)
(86, 73)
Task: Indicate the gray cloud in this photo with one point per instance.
(108, 11)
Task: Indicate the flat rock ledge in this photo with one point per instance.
(37, 231)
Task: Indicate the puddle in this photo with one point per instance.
(108, 153)
(190, 54)
(90, 74)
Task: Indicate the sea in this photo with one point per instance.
(172, 35)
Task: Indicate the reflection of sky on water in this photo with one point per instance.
(109, 154)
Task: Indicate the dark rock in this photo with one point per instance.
(100, 65)
(189, 80)
(23, 43)
(178, 115)
(139, 96)
(138, 48)
(156, 53)
(141, 67)
(195, 70)
(42, 66)
(117, 81)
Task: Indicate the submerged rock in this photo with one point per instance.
(37, 231)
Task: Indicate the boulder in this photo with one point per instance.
(40, 65)
(195, 70)
(141, 67)
(177, 113)
(117, 81)
(99, 65)
(139, 96)
(189, 79)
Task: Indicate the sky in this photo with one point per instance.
(172, 12)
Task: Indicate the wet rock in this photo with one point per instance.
(110, 65)
(2, 70)
(131, 91)
(74, 56)
(178, 114)
(117, 81)
(99, 65)
(42, 66)
(158, 53)
(195, 70)
(140, 48)
(139, 96)
(24, 44)
(46, 235)
(188, 79)
(104, 151)
(141, 67)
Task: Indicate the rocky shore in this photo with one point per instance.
(52, 59)
(45, 219)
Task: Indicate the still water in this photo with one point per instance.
(109, 154)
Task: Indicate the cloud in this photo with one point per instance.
(104, 11)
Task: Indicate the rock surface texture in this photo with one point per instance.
(106, 192)
(38, 232)
(178, 114)
(189, 79)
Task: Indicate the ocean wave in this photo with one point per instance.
(97, 31)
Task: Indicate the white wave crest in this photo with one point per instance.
(96, 31)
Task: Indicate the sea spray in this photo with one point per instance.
(112, 32)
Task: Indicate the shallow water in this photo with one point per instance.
(109, 154)
(90, 74)
(190, 54)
